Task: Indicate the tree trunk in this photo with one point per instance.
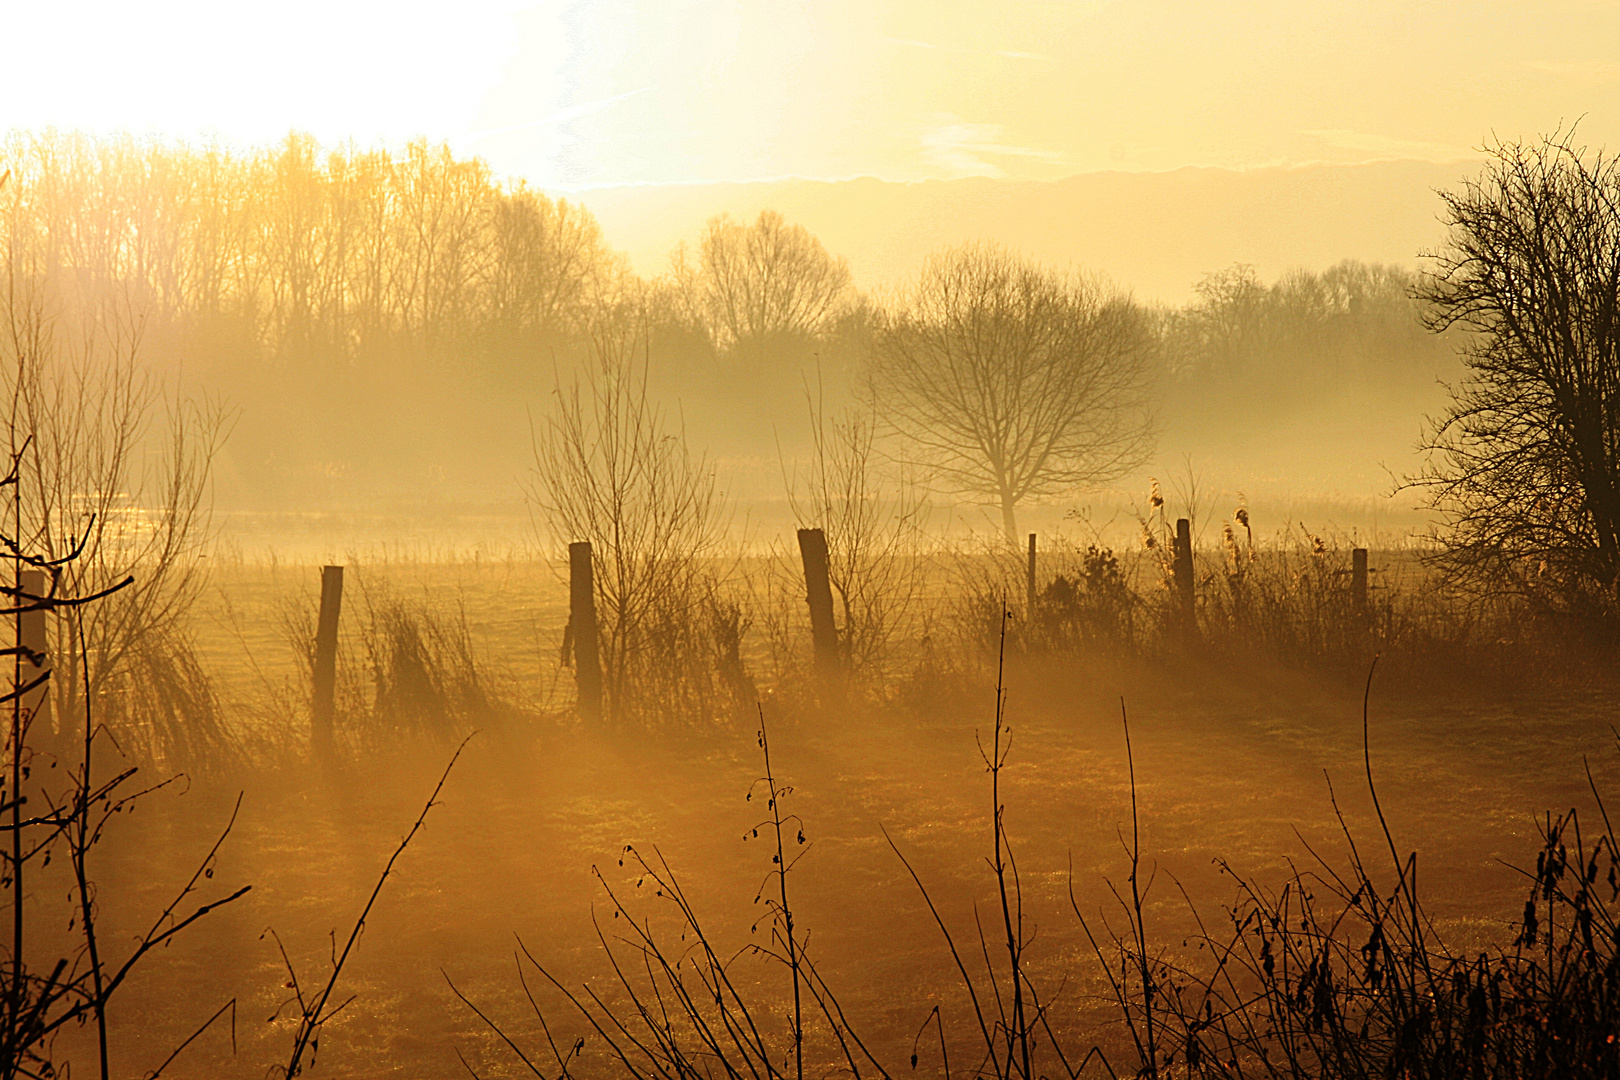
(1009, 520)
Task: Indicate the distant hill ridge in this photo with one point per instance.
(1154, 233)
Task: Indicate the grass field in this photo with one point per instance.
(1232, 761)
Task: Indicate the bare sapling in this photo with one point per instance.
(609, 471)
(1006, 1006)
(782, 929)
(1136, 1008)
(873, 527)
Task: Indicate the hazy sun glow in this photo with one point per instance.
(580, 94)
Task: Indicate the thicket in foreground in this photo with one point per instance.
(1340, 972)
(50, 981)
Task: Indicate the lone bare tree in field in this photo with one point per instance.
(1013, 382)
(1526, 462)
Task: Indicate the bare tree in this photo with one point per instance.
(607, 469)
(549, 259)
(1525, 464)
(1013, 382)
(121, 474)
(754, 283)
(873, 530)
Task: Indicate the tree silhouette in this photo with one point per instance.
(755, 284)
(1013, 382)
(1525, 464)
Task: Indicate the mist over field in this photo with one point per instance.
(689, 541)
(381, 329)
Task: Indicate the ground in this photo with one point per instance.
(1234, 765)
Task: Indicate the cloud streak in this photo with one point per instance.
(961, 148)
(1385, 146)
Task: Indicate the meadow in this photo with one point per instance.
(1244, 746)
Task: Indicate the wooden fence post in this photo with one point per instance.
(1029, 584)
(1358, 581)
(583, 629)
(325, 674)
(32, 634)
(818, 592)
(1183, 565)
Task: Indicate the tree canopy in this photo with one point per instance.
(1526, 462)
(1013, 382)
(757, 283)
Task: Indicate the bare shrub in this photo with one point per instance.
(1088, 606)
(1089, 601)
(120, 462)
(424, 675)
(163, 705)
(609, 471)
(691, 666)
(977, 609)
(408, 667)
(1289, 599)
(874, 531)
(54, 980)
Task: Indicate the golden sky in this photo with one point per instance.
(583, 94)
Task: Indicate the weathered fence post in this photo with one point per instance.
(1183, 565)
(818, 592)
(582, 627)
(1029, 584)
(326, 630)
(1358, 581)
(32, 635)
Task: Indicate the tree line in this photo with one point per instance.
(332, 293)
(371, 310)
(301, 252)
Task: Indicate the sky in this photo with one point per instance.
(578, 95)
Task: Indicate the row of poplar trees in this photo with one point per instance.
(299, 250)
